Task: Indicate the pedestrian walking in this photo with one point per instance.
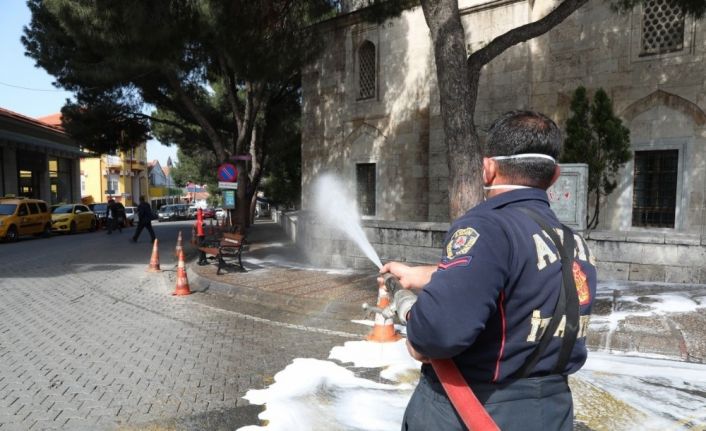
(510, 300)
(145, 215)
(113, 216)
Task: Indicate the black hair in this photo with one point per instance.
(522, 132)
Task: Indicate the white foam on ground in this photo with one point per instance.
(364, 354)
(671, 393)
(312, 394)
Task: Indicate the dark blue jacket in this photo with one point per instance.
(498, 277)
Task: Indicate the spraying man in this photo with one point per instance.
(510, 300)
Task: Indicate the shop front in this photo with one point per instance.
(37, 161)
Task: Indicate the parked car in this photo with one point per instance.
(23, 216)
(131, 215)
(72, 218)
(173, 212)
(221, 213)
(209, 213)
(100, 209)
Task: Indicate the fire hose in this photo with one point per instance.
(471, 411)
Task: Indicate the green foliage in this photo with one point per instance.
(199, 168)
(132, 54)
(379, 11)
(103, 126)
(213, 70)
(597, 137)
(282, 184)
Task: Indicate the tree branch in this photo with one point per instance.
(160, 120)
(190, 105)
(231, 91)
(523, 33)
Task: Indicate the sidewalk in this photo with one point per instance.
(646, 318)
(279, 280)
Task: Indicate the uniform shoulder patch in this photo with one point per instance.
(461, 242)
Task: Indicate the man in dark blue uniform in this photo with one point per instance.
(497, 289)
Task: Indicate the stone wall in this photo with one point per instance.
(666, 258)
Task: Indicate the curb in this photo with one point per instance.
(333, 309)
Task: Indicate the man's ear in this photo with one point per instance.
(557, 172)
(490, 170)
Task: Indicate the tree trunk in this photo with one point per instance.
(243, 203)
(596, 211)
(457, 104)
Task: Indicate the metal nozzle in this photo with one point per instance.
(392, 283)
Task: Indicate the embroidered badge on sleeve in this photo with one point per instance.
(461, 242)
(459, 261)
(582, 287)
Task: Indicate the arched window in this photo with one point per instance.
(366, 70)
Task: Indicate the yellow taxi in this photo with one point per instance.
(23, 216)
(72, 218)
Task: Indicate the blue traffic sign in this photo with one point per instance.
(227, 172)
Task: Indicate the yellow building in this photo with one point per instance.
(121, 176)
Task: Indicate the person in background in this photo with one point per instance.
(145, 216)
(112, 217)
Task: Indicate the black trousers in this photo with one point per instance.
(114, 223)
(144, 225)
(533, 404)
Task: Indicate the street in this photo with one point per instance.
(90, 340)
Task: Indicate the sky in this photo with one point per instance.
(28, 90)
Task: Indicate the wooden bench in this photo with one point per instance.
(229, 246)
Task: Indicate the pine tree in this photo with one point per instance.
(597, 137)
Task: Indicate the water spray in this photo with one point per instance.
(339, 211)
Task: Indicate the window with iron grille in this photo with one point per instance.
(662, 28)
(366, 70)
(365, 179)
(655, 188)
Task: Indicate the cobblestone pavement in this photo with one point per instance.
(90, 340)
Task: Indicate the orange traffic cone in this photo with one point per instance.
(384, 329)
(179, 246)
(182, 284)
(199, 229)
(154, 260)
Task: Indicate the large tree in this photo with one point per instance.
(458, 75)
(213, 69)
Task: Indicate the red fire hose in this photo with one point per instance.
(467, 406)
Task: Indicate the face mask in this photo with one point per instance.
(526, 156)
(516, 156)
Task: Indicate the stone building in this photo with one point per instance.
(371, 114)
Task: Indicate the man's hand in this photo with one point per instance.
(411, 277)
